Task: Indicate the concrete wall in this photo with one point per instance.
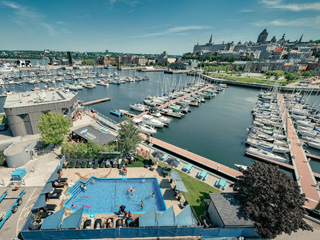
(24, 120)
(20, 158)
(214, 216)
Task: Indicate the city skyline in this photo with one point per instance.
(150, 26)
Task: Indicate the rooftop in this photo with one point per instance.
(27, 99)
(228, 207)
(17, 148)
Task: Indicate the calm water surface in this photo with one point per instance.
(215, 130)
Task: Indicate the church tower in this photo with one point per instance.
(262, 38)
(210, 40)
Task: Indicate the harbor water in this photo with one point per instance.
(217, 129)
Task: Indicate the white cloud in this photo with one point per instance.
(295, 7)
(178, 31)
(292, 23)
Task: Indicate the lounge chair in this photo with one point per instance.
(186, 167)
(217, 184)
(87, 224)
(205, 178)
(45, 214)
(119, 223)
(72, 163)
(49, 207)
(84, 163)
(103, 164)
(225, 186)
(95, 164)
(89, 164)
(107, 223)
(56, 184)
(108, 164)
(62, 179)
(166, 171)
(164, 157)
(98, 224)
(78, 164)
(191, 169)
(53, 195)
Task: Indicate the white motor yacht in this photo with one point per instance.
(138, 107)
(152, 121)
(265, 154)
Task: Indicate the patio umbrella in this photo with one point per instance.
(175, 175)
(157, 154)
(173, 162)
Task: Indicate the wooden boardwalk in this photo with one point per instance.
(218, 167)
(302, 169)
(96, 101)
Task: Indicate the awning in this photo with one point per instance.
(149, 219)
(53, 221)
(185, 218)
(175, 175)
(54, 176)
(181, 187)
(72, 221)
(62, 161)
(167, 219)
(47, 188)
(91, 133)
(41, 202)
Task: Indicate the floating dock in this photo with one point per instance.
(96, 101)
(313, 156)
(127, 113)
(302, 169)
(195, 159)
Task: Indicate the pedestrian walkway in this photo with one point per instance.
(302, 169)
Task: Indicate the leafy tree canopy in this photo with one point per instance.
(129, 137)
(53, 128)
(272, 199)
(310, 73)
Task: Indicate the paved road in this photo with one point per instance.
(13, 225)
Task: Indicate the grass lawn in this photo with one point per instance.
(198, 191)
(257, 80)
(3, 119)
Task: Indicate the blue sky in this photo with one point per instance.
(150, 26)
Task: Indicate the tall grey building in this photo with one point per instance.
(262, 38)
(24, 110)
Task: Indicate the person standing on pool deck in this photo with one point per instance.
(142, 202)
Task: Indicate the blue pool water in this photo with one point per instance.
(102, 196)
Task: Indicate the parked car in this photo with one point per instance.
(4, 127)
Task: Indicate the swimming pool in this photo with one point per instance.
(101, 196)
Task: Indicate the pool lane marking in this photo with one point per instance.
(17, 230)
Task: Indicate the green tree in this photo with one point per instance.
(310, 73)
(272, 199)
(89, 62)
(290, 76)
(316, 53)
(129, 136)
(53, 128)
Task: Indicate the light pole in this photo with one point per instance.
(150, 144)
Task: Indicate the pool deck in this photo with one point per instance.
(76, 174)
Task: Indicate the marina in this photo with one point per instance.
(213, 114)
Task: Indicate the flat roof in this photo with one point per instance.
(18, 147)
(27, 99)
(229, 209)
